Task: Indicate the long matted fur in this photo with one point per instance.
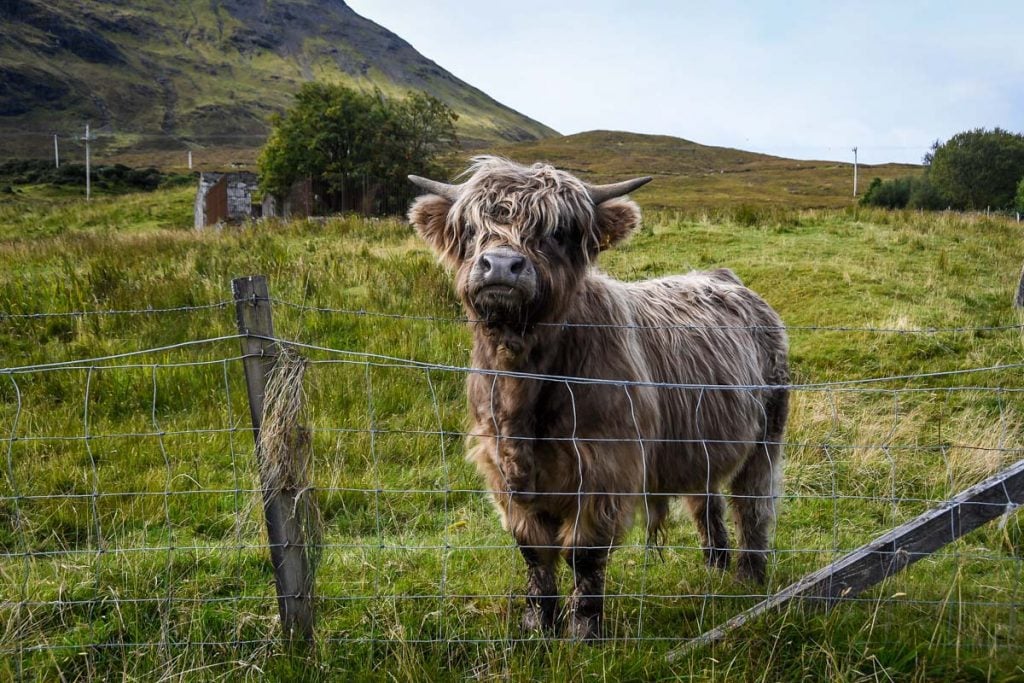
(570, 462)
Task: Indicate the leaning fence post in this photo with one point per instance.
(891, 552)
(292, 573)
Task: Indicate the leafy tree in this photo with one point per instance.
(338, 135)
(1020, 196)
(978, 168)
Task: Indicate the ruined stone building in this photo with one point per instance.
(225, 198)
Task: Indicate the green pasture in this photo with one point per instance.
(131, 544)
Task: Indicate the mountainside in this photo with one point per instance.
(689, 174)
(160, 75)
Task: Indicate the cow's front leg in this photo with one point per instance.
(541, 591)
(589, 538)
(586, 604)
(536, 537)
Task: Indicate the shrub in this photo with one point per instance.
(908, 192)
(116, 178)
(924, 195)
(888, 194)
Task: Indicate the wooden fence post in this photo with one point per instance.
(292, 573)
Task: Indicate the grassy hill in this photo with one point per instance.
(688, 174)
(137, 552)
(204, 73)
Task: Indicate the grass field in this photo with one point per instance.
(130, 537)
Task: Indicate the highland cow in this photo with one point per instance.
(592, 397)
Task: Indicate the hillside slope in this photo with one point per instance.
(688, 174)
(156, 75)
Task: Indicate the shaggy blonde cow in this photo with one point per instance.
(595, 397)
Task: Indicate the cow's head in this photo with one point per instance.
(520, 238)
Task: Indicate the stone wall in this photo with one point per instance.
(240, 190)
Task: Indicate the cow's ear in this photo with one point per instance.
(616, 220)
(429, 215)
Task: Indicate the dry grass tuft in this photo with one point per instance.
(285, 448)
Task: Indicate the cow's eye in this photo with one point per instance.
(560, 235)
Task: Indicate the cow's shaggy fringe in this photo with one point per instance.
(500, 193)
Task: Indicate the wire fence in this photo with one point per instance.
(131, 513)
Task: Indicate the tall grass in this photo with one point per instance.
(164, 574)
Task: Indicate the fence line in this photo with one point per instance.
(112, 312)
(75, 544)
(395, 362)
(360, 312)
(544, 439)
(999, 507)
(791, 328)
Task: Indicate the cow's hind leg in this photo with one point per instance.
(755, 491)
(536, 536)
(709, 514)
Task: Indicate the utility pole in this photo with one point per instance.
(56, 152)
(854, 171)
(88, 181)
(190, 160)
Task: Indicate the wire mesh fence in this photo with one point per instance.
(131, 505)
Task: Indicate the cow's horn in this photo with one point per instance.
(602, 193)
(449, 192)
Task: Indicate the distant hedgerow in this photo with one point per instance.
(908, 192)
(115, 178)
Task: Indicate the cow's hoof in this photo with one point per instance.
(751, 568)
(585, 628)
(717, 558)
(536, 621)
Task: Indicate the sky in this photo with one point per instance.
(806, 80)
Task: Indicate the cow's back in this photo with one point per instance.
(718, 345)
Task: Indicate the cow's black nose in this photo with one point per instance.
(501, 267)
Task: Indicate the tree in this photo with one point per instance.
(978, 168)
(1020, 196)
(337, 135)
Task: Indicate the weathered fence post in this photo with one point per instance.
(292, 573)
